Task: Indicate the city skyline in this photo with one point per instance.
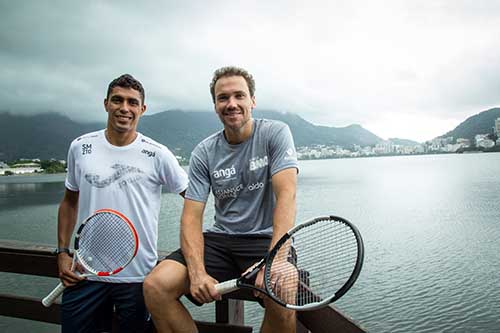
(397, 68)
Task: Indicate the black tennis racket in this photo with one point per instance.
(312, 265)
(105, 243)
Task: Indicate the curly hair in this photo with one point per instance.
(232, 71)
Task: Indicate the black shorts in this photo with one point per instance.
(227, 256)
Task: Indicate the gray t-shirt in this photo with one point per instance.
(240, 176)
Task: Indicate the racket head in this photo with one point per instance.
(314, 264)
(106, 242)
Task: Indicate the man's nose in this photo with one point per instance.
(231, 103)
(125, 106)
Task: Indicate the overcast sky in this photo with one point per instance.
(401, 68)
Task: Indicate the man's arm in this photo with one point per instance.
(284, 188)
(192, 245)
(66, 220)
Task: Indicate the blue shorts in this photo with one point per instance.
(88, 307)
(227, 256)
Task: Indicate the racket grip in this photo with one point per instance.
(227, 286)
(50, 298)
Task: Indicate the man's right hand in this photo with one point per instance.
(66, 274)
(203, 288)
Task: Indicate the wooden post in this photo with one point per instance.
(230, 311)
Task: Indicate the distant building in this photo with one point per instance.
(483, 141)
(465, 143)
(497, 126)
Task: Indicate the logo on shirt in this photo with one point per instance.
(120, 172)
(231, 192)
(258, 162)
(290, 154)
(256, 186)
(226, 173)
(149, 153)
(86, 148)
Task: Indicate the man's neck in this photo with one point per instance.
(120, 139)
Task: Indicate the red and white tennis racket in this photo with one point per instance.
(104, 244)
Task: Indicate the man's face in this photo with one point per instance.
(233, 102)
(124, 107)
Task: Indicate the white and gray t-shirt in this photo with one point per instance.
(240, 177)
(128, 179)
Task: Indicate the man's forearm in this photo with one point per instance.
(192, 247)
(284, 215)
(66, 219)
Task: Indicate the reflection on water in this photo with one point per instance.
(431, 226)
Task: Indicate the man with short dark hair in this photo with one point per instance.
(250, 167)
(121, 169)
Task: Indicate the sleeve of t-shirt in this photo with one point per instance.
(281, 148)
(172, 175)
(72, 181)
(199, 178)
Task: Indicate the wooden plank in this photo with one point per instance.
(230, 311)
(205, 327)
(28, 263)
(328, 319)
(29, 308)
(300, 328)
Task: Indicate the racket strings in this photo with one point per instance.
(106, 243)
(319, 260)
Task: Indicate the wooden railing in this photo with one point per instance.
(30, 259)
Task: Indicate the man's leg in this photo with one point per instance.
(162, 289)
(247, 250)
(86, 308)
(278, 318)
(130, 308)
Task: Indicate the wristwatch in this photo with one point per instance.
(62, 250)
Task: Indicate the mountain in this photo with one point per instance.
(43, 136)
(481, 123)
(48, 135)
(403, 142)
(184, 129)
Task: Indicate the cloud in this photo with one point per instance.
(333, 62)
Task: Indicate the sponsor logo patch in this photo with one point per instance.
(86, 148)
(225, 173)
(258, 162)
(231, 192)
(149, 153)
(256, 186)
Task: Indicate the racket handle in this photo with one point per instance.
(227, 286)
(50, 298)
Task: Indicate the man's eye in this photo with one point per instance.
(221, 98)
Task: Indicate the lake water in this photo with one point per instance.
(431, 227)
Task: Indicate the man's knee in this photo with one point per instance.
(278, 312)
(167, 280)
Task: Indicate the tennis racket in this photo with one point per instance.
(312, 265)
(105, 243)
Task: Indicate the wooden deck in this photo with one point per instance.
(32, 259)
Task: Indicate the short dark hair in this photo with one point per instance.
(232, 71)
(127, 81)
